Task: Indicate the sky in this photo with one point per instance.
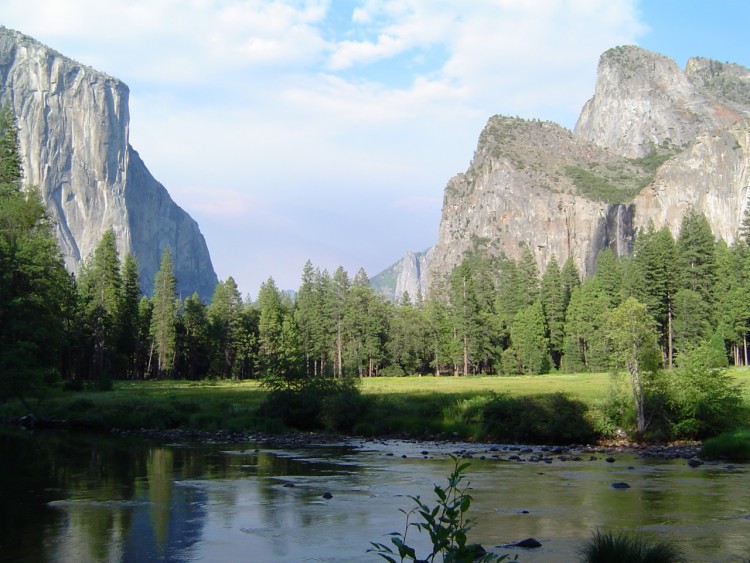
(326, 130)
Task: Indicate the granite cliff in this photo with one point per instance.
(73, 132)
(653, 141)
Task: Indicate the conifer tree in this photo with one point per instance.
(11, 171)
(553, 304)
(585, 347)
(655, 282)
(571, 279)
(225, 314)
(127, 309)
(164, 315)
(195, 348)
(100, 287)
(696, 259)
(279, 360)
(35, 290)
(307, 315)
(529, 351)
(336, 307)
(608, 272)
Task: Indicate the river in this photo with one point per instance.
(71, 497)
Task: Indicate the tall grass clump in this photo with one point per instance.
(734, 446)
(622, 547)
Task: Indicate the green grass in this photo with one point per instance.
(454, 407)
(584, 386)
(734, 446)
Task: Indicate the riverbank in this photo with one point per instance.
(526, 410)
(409, 447)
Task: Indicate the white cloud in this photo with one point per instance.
(248, 109)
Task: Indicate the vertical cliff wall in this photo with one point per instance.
(653, 141)
(73, 131)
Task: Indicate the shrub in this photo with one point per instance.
(446, 523)
(607, 547)
(705, 400)
(343, 407)
(550, 419)
(316, 403)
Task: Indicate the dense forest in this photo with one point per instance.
(488, 316)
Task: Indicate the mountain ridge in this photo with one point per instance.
(653, 141)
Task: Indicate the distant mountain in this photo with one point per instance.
(653, 141)
(73, 131)
(406, 275)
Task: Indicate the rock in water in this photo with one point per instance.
(73, 131)
(528, 543)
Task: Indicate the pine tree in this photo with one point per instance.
(280, 360)
(553, 304)
(608, 272)
(127, 310)
(655, 282)
(225, 314)
(336, 307)
(307, 313)
(570, 280)
(409, 342)
(10, 154)
(100, 287)
(36, 298)
(164, 316)
(696, 259)
(529, 351)
(365, 326)
(585, 347)
(195, 348)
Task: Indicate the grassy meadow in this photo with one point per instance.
(554, 407)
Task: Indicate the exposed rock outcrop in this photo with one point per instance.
(408, 275)
(73, 132)
(644, 100)
(653, 142)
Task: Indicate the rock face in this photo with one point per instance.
(653, 142)
(73, 132)
(408, 275)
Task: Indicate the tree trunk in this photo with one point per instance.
(670, 345)
(640, 403)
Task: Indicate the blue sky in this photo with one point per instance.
(327, 130)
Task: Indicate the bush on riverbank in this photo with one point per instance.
(734, 446)
(316, 404)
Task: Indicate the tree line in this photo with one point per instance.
(489, 315)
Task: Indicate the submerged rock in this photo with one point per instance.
(528, 543)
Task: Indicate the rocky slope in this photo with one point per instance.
(653, 141)
(73, 131)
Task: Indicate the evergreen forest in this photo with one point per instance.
(675, 303)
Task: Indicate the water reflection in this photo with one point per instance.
(70, 497)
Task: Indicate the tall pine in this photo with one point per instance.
(164, 315)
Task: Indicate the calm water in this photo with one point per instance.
(80, 498)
